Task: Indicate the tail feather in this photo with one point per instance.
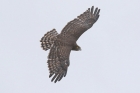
(48, 39)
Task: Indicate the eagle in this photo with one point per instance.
(62, 44)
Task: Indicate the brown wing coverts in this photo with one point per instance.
(48, 39)
(80, 24)
(58, 61)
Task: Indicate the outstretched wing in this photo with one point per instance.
(58, 60)
(82, 23)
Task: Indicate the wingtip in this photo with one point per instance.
(50, 75)
(92, 8)
(55, 81)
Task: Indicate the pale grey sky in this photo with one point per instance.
(108, 63)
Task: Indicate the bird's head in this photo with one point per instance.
(76, 48)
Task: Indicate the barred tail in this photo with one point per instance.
(48, 39)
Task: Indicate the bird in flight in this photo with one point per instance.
(60, 45)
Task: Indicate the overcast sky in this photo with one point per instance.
(108, 63)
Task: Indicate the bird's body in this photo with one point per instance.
(60, 45)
